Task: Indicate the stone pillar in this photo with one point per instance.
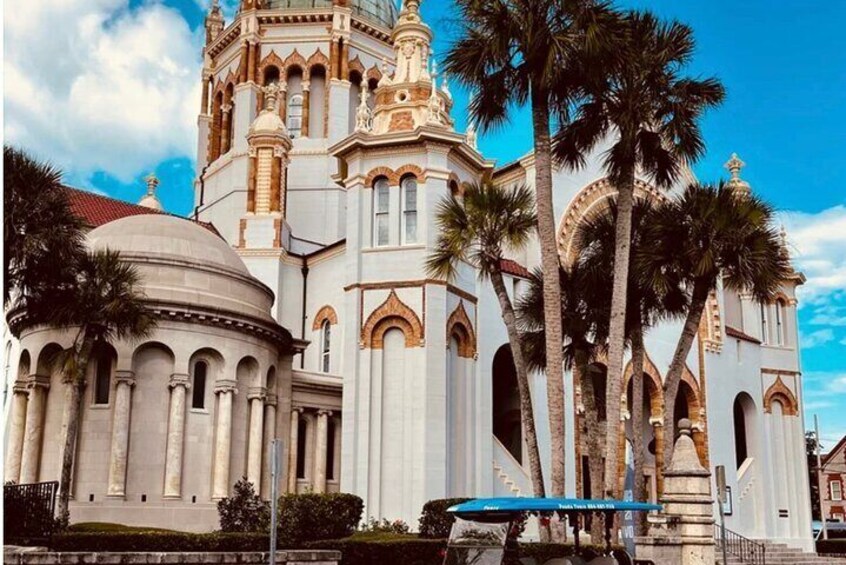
(334, 54)
(251, 180)
(244, 61)
(17, 428)
(320, 450)
(283, 100)
(124, 381)
(276, 179)
(251, 61)
(345, 61)
(306, 106)
(293, 448)
(179, 385)
(225, 390)
(225, 128)
(269, 435)
(204, 102)
(658, 432)
(255, 445)
(34, 427)
(683, 533)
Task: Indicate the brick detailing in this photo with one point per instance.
(393, 313)
(325, 313)
(394, 177)
(778, 391)
(401, 121)
(414, 170)
(459, 326)
(356, 66)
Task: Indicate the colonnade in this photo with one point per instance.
(320, 471)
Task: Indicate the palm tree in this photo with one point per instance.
(40, 232)
(478, 231)
(650, 112)
(517, 52)
(710, 234)
(102, 303)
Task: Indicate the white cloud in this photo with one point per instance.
(819, 337)
(94, 86)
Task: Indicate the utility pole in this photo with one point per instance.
(819, 477)
(275, 471)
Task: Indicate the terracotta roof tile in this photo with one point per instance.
(734, 332)
(97, 210)
(514, 268)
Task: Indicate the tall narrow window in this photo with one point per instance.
(765, 334)
(779, 313)
(295, 116)
(836, 490)
(325, 345)
(409, 210)
(330, 451)
(381, 207)
(103, 382)
(301, 448)
(198, 391)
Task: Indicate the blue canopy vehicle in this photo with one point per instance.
(483, 527)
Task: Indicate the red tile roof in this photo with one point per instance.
(514, 268)
(734, 332)
(97, 210)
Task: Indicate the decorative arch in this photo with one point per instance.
(410, 170)
(318, 59)
(454, 184)
(271, 60)
(589, 201)
(357, 66)
(373, 73)
(47, 359)
(393, 313)
(656, 390)
(386, 172)
(779, 391)
(296, 61)
(460, 326)
(325, 313)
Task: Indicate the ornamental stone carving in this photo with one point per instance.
(324, 314)
(460, 327)
(778, 391)
(393, 313)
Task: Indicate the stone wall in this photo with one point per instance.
(40, 556)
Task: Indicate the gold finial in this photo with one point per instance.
(734, 165)
(152, 183)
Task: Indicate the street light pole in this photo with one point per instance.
(819, 477)
(275, 471)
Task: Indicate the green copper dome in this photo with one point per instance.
(380, 12)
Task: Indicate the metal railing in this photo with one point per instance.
(747, 550)
(28, 511)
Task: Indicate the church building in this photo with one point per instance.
(295, 304)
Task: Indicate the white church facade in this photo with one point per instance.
(296, 304)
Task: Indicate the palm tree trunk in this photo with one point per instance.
(616, 330)
(594, 440)
(522, 371)
(76, 381)
(638, 453)
(674, 373)
(550, 264)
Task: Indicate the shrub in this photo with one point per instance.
(244, 511)
(832, 546)
(112, 527)
(384, 526)
(407, 550)
(436, 522)
(132, 541)
(312, 517)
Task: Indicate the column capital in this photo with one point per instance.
(125, 377)
(19, 387)
(324, 412)
(256, 393)
(226, 108)
(179, 379)
(298, 410)
(35, 380)
(656, 422)
(306, 85)
(271, 400)
(226, 385)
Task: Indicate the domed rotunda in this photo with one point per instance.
(169, 422)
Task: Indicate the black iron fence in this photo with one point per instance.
(747, 550)
(28, 513)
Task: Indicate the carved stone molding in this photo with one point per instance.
(778, 391)
(325, 313)
(459, 326)
(393, 313)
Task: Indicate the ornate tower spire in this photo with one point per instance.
(150, 200)
(214, 22)
(735, 183)
(269, 144)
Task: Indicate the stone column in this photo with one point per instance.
(334, 53)
(306, 106)
(204, 102)
(17, 428)
(320, 450)
(225, 390)
(251, 61)
(658, 432)
(34, 427)
(269, 435)
(244, 61)
(124, 381)
(254, 447)
(225, 128)
(179, 385)
(345, 61)
(283, 100)
(292, 449)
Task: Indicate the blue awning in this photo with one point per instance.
(507, 505)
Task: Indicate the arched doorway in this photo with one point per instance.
(507, 420)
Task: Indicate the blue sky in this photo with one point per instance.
(109, 91)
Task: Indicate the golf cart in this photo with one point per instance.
(484, 529)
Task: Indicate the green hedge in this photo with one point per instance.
(159, 541)
(405, 550)
(435, 521)
(314, 517)
(837, 546)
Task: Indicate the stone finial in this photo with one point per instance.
(271, 94)
(685, 459)
(735, 183)
(363, 116)
(445, 87)
(384, 80)
(472, 137)
(150, 200)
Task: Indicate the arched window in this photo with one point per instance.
(409, 210)
(381, 213)
(741, 450)
(103, 380)
(765, 334)
(507, 420)
(325, 345)
(295, 116)
(198, 394)
(781, 339)
(271, 75)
